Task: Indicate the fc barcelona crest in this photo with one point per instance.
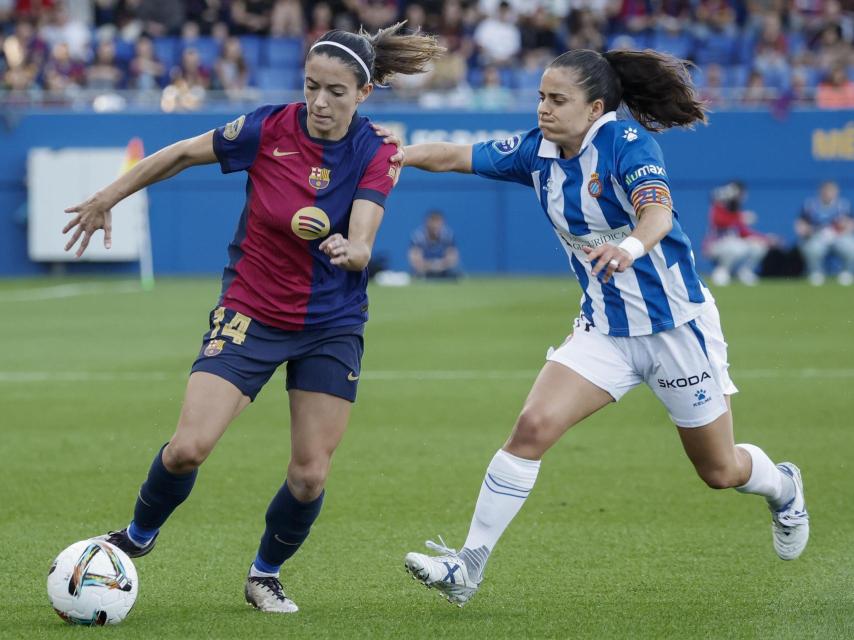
(214, 348)
(594, 187)
(320, 177)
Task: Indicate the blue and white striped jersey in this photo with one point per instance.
(592, 199)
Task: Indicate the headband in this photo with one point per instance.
(348, 50)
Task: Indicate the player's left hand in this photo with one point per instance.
(609, 258)
(389, 137)
(337, 247)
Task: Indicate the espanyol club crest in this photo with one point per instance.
(320, 177)
(507, 146)
(594, 187)
(214, 348)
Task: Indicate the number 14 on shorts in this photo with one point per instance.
(235, 328)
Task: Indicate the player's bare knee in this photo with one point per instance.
(306, 481)
(183, 456)
(532, 431)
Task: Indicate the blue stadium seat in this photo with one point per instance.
(680, 45)
(207, 47)
(124, 50)
(284, 52)
(166, 50)
(745, 48)
(279, 78)
(814, 76)
(474, 76)
(717, 47)
(777, 78)
(736, 75)
(633, 41)
(525, 80)
(251, 47)
(508, 78)
(797, 42)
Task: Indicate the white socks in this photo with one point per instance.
(766, 479)
(507, 483)
(256, 573)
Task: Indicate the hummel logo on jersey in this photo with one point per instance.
(352, 377)
(279, 154)
(631, 134)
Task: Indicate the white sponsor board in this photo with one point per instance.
(57, 179)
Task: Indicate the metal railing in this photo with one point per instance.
(169, 100)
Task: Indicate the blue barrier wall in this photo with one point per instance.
(500, 228)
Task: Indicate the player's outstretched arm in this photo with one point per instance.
(440, 157)
(94, 213)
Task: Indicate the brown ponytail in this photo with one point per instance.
(384, 53)
(655, 87)
(396, 53)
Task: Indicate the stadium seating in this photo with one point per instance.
(208, 49)
(283, 52)
(252, 47)
(279, 79)
(166, 50)
(680, 44)
(718, 48)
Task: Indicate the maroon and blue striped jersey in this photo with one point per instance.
(299, 191)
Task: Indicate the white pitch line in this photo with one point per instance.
(29, 377)
(66, 291)
(84, 376)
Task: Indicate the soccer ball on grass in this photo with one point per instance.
(92, 583)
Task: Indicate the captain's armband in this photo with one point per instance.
(652, 192)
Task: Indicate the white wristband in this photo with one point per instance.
(633, 247)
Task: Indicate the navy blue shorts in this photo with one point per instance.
(247, 353)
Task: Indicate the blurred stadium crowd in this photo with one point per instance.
(182, 54)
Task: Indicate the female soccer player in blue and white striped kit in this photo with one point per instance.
(645, 314)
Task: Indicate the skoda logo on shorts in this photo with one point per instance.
(310, 223)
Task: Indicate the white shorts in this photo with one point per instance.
(685, 367)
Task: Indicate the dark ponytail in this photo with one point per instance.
(656, 87)
(385, 53)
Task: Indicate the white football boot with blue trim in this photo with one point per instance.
(447, 573)
(790, 525)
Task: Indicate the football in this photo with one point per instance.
(92, 583)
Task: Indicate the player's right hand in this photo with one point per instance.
(390, 138)
(91, 216)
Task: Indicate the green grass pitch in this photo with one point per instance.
(619, 539)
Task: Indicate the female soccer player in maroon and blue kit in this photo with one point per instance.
(294, 289)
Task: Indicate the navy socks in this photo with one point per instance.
(288, 524)
(288, 520)
(159, 496)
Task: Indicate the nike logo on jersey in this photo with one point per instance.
(352, 377)
(279, 154)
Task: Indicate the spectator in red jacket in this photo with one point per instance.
(735, 248)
